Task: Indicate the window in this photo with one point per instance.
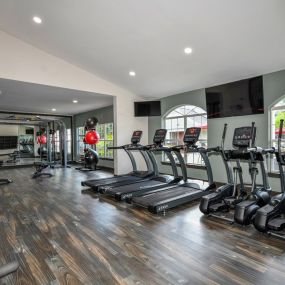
(80, 134)
(106, 140)
(277, 113)
(178, 120)
(68, 143)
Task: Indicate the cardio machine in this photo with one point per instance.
(260, 195)
(157, 181)
(160, 200)
(227, 197)
(131, 177)
(271, 218)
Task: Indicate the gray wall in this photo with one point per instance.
(274, 90)
(104, 115)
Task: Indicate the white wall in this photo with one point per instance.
(23, 62)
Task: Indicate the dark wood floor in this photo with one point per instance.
(61, 235)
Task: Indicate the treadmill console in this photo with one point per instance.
(191, 135)
(136, 137)
(159, 136)
(242, 137)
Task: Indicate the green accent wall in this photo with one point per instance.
(274, 90)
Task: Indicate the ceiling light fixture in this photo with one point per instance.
(188, 50)
(75, 101)
(53, 109)
(37, 20)
(132, 73)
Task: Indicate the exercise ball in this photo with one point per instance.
(42, 139)
(92, 137)
(42, 151)
(91, 123)
(91, 157)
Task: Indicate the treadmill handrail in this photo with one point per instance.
(123, 146)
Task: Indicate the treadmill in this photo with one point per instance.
(160, 201)
(131, 177)
(158, 181)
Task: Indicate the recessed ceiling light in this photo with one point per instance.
(53, 109)
(37, 20)
(75, 101)
(188, 50)
(132, 73)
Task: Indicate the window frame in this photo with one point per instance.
(106, 142)
(272, 140)
(204, 142)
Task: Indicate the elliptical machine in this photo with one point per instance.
(259, 195)
(228, 195)
(270, 218)
(227, 198)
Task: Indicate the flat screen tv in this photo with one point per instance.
(29, 131)
(239, 98)
(147, 109)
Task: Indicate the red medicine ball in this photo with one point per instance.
(92, 137)
(42, 139)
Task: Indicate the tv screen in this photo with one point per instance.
(29, 131)
(239, 98)
(147, 109)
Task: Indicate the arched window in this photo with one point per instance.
(277, 112)
(180, 118)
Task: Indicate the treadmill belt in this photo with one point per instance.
(102, 182)
(169, 195)
(140, 186)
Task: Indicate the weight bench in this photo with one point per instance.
(4, 180)
(13, 157)
(40, 166)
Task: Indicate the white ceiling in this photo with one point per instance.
(231, 39)
(19, 96)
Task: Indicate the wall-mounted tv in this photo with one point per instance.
(239, 98)
(147, 109)
(29, 131)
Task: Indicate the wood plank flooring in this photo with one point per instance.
(63, 235)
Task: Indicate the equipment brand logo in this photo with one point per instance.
(127, 196)
(162, 207)
(143, 187)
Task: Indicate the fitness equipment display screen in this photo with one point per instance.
(159, 136)
(136, 137)
(191, 135)
(242, 137)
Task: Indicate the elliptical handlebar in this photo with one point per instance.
(252, 135)
(279, 141)
(222, 148)
(126, 146)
